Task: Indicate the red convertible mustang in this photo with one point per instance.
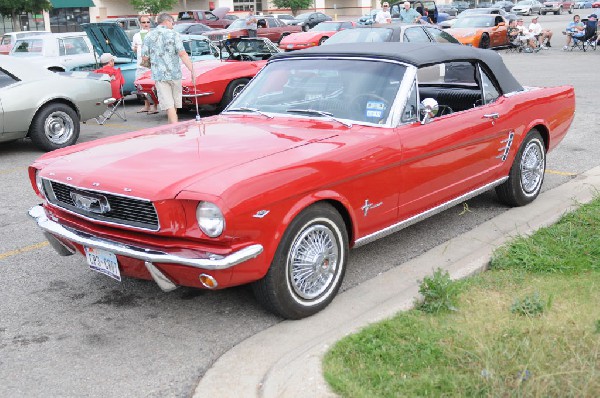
(217, 82)
(326, 149)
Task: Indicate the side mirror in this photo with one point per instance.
(429, 108)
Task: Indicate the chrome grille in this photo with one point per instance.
(124, 210)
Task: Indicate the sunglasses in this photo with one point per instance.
(145, 22)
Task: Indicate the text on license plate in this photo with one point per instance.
(103, 261)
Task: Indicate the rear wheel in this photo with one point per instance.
(526, 174)
(304, 28)
(485, 41)
(54, 126)
(308, 266)
(232, 91)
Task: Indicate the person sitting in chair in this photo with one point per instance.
(116, 77)
(576, 28)
(527, 37)
(543, 36)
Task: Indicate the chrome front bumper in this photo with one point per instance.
(210, 261)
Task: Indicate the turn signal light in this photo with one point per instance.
(208, 281)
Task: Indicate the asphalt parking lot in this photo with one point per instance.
(66, 331)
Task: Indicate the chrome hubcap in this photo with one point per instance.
(532, 167)
(238, 89)
(59, 127)
(313, 261)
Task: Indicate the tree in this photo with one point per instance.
(294, 5)
(152, 7)
(13, 8)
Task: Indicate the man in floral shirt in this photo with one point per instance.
(164, 48)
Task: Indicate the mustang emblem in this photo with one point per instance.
(368, 206)
(90, 202)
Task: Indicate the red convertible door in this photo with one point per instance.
(450, 156)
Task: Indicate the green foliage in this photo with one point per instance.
(597, 324)
(440, 293)
(569, 247)
(530, 305)
(13, 8)
(293, 5)
(152, 7)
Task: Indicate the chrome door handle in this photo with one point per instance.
(492, 115)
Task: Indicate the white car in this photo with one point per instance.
(8, 39)
(285, 18)
(56, 51)
(527, 7)
(47, 107)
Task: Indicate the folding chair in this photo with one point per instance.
(115, 104)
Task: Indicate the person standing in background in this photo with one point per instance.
(136, 45)
(384, 15)
(163, 48)
(251, 23)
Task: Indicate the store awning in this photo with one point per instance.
(72, 3)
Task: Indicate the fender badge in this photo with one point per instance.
(261, 213)
(368, 206)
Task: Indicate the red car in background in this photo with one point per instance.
(269, 27)
(218, 81)
(314, 37)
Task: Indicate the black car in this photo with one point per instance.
(309, 20)
(191, 28)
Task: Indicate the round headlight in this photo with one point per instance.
(210, 219)
(39, 183)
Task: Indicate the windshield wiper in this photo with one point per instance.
(253, 110)
(319, 113)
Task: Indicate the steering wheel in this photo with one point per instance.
(444, 110)
(359, 106)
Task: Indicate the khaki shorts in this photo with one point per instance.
(169, 94)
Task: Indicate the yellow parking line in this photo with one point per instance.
(23, 250)
(560, 173)
(12, 170)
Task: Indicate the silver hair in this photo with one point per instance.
(162, 17)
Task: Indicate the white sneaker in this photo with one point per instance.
(565, 48)
(544, 47)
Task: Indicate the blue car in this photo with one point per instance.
(108, 37)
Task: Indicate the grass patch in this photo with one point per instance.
(528, 327)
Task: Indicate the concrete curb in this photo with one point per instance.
(285, 360)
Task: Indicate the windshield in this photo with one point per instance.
(370, 35)
(360, 91)
(326, 26)
(181, 27)
(474, 22)
(523, 3)
(237, 24)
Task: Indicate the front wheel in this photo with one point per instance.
(54, 126)
(485, 41)
(232, 91)
(322, 40)
(526, 174)
(305, 28)
(308, 266)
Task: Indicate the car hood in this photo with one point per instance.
(108, 37)
(161, 162)
(463, 32)
(220, 11)
(200, 67)
(302, 37)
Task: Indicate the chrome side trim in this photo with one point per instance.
(205, 94)
(210, 262)
(426, 214)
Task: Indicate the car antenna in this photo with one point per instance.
(195, 92)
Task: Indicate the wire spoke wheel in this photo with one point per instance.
(532, 167)
(312, 261)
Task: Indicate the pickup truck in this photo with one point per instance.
(557, 7)
(215, 18)
(271, 28)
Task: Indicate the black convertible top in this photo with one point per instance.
(417, 54)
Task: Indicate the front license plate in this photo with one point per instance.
(103, 261)
(290, 46)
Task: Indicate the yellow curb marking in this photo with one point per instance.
(12, 170)
(23, 250)
(560, 173)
